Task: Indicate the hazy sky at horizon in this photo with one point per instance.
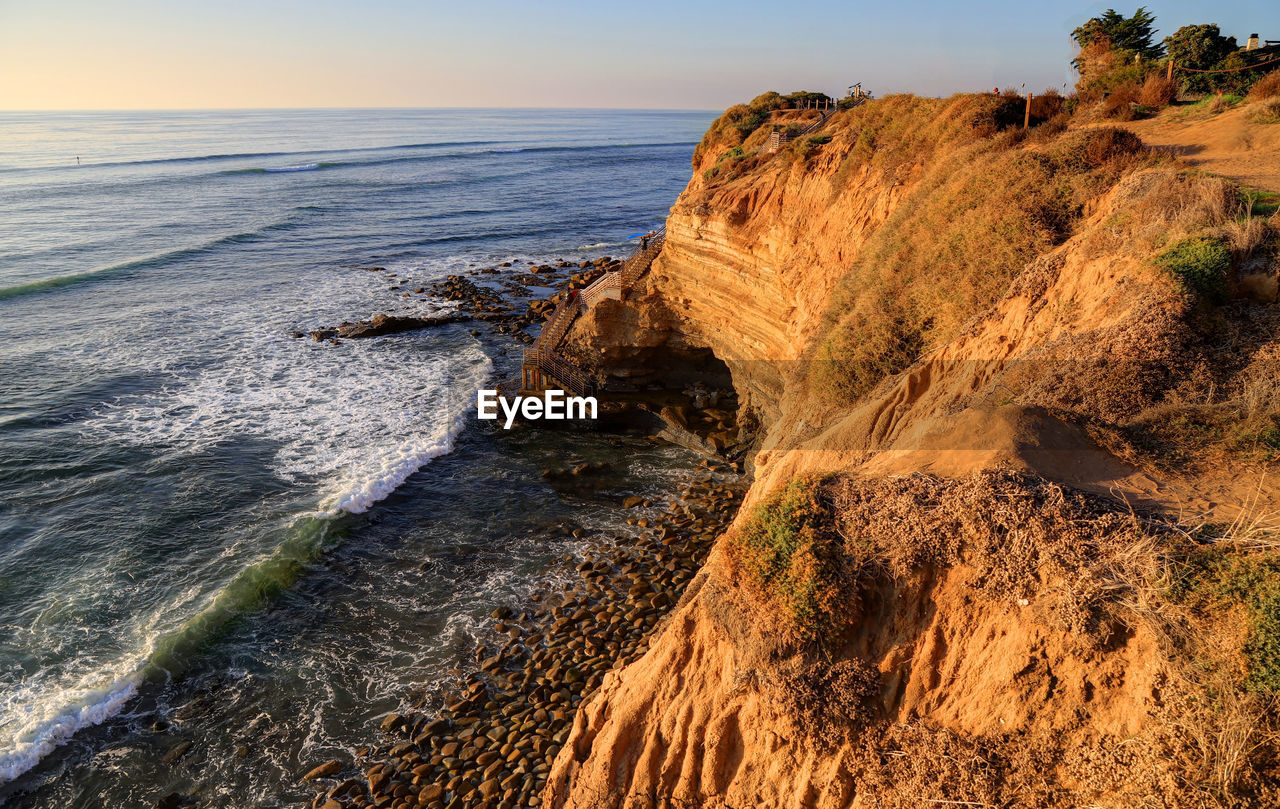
(156, 54)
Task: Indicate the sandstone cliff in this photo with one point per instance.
(1019, 397)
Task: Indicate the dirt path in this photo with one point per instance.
(1228, 143)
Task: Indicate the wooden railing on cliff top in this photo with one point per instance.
(778, 137)
(544, 360)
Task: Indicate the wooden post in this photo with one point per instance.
(1169, 74)
(1026, 118)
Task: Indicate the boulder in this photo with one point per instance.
(322, 771)
(391, 722)
(176, 752)
(171, 801)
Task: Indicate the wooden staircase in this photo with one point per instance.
(544, 367)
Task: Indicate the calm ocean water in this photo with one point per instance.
(211, 532)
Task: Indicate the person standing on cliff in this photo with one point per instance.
(644, 242)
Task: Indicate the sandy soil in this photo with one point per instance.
(1228, 143)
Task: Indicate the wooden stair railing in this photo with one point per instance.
(545, 358)
(779, 137)
(559, 369)
(557, 325)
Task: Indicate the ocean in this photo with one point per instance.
(219, 538)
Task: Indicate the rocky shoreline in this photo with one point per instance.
(513, 306)
(491, 740)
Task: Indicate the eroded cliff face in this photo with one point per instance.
(977, 694)
(749, 266)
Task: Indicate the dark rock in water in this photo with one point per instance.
(198, 706)
(592, 469)
(374, 269)
(323, 771)
(577, 471)
(385, 324)
(176, 752)
(171, 801)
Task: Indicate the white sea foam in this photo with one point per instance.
(35, 720)
(347, 423)
(303, 167)
(355, 420)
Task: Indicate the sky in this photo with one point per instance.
(179, 54)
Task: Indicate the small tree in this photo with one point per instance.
(1199, 46)
(1113, 48)
(1131, 35)
(801, 97)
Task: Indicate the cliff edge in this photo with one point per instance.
(1009, 537)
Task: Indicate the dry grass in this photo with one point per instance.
(1221, 103)
(1225, 413)
(1111, 570)
(951, 249)
(1266, 87)
(1018, 534)
(1266, 112)
(1157, 91)
(1162, 206)
(1092, 569)
(1120, 103)
(1201, 607)
(831, 701)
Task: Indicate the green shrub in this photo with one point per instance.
(1200, 265)
(750, 123)
(802, 97)
(818, 140)
(1200, 48)
(767, 102)
(790, 551)
(730, 129)
(1252, 580)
